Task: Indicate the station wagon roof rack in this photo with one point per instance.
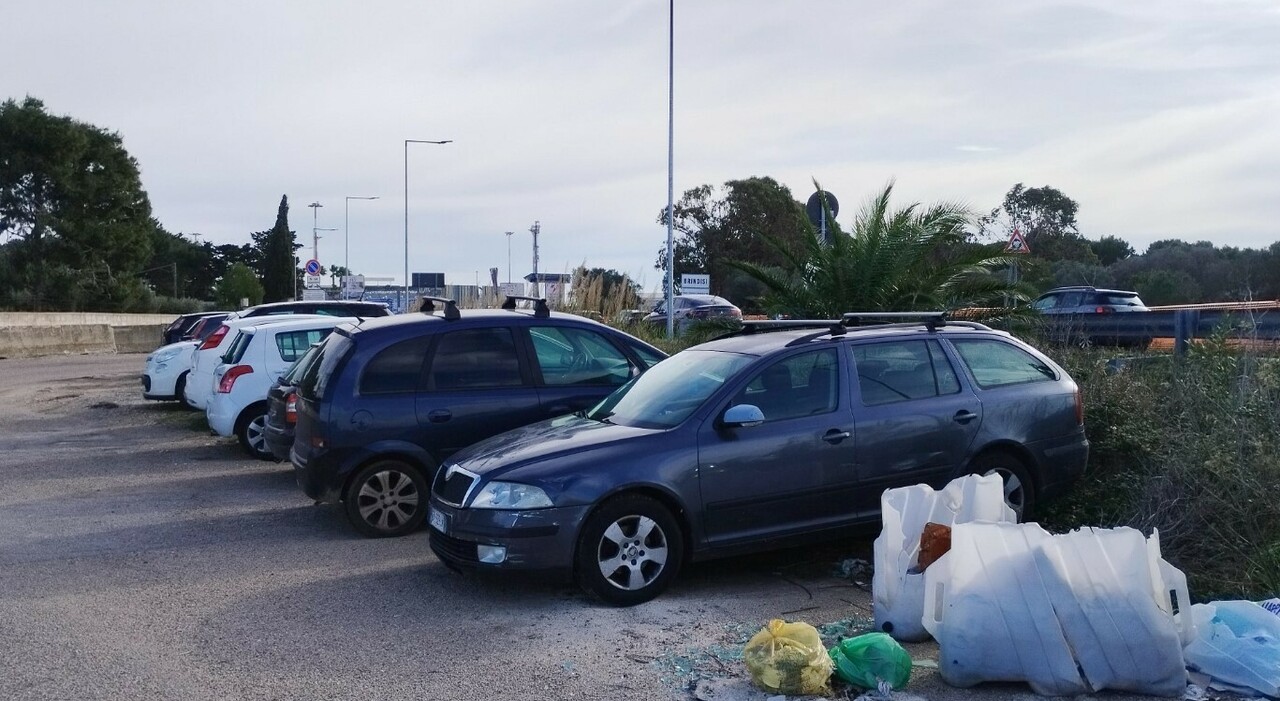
(450, 307)
(540, 308)
(932, 320)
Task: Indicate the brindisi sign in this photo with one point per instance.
(695, 284)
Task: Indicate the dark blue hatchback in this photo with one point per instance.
(388, 400)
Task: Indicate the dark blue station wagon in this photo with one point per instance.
(388, 400)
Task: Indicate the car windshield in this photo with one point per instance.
(671, 390)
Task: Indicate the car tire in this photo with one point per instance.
(377, 498)
(633, 525)
(251, 432)
(180, 391)
(1019, 488)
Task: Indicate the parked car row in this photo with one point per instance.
(531, 440)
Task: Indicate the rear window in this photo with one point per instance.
(294, 375)
(238, 346)
(1119, 300)
(318, 376)
(997, 364)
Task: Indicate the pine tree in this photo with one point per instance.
(276, 263)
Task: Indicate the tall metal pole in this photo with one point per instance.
(406, 212)
(509, 235)
(671, 155)
(315, 237)
(346, 237)
(535, 230)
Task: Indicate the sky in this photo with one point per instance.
(1161, 118)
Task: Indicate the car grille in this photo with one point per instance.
(146, 383)
(452, 549)
(452, 486)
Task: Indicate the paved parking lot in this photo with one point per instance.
(142, 558)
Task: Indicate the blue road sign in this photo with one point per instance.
(312, 267)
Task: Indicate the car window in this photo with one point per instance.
(568, 356)
(1070, 299)
(317, 377)
(996, 363)
(296, 371)
(1046, 302)
(396, 368)
(647, 355)
(475, 359)
(802, 385)
(1119, 300)
(666, 395)
(236, 351)
(899, 371)
(292, 344)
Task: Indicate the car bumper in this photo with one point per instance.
(279, 440)
(317, 475)
(1062, 463)
(221, 415)
(157, 384)
(537, 540)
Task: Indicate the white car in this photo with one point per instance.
(207, 357)
(166, 373)
(257, 357)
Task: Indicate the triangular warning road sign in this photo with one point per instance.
(1017, 244)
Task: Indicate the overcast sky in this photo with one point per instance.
(1160, 117)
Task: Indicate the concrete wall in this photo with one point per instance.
(142, 335)
(79, 318)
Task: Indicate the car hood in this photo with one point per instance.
(541, 442)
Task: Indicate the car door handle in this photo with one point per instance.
(835, 435)
(439, 416)
(964, 416)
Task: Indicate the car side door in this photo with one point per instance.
(915, 419)
(794, 471)
(476, 385)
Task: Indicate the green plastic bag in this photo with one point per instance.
(870, 658)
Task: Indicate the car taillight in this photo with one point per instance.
(215, 338)
(1102, 310)
(1079, 407)
(229, 379)
(291, 408)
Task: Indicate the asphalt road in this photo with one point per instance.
(141, 558)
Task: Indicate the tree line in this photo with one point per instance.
(77, 231)
(755, 240)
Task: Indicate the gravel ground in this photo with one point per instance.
(141, 558)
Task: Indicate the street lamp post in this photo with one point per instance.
(509, 235)
(406, 210)
(346, 236)
(671, 150)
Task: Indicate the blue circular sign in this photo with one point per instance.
(312, 267)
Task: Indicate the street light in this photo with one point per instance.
(406, 210)
(346, 237)
(671, 156)
(509, 235)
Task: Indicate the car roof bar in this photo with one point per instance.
(540, 308)
(450, 307)
(933, 320)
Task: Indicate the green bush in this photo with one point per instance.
(1185, 446)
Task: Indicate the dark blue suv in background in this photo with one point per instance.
(390, 399)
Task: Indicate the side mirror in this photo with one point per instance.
(743, 416)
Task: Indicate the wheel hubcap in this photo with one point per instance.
(254, 433)
(387, 500)
(1014, 495)
(632, 552)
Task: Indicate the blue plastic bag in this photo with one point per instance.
(1236, 642)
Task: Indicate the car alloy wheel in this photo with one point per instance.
(1019, 490)
(629, 551)
(251, 431)
(386, 499)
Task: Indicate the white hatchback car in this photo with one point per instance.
(257, 357)
(166, 372)
(207, 357)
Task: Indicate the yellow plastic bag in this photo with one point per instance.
(788, 658)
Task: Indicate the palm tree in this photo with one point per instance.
(912, 259)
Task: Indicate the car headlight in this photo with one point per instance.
(510, 495)
(166, 356)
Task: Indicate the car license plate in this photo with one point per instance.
(439, 521)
